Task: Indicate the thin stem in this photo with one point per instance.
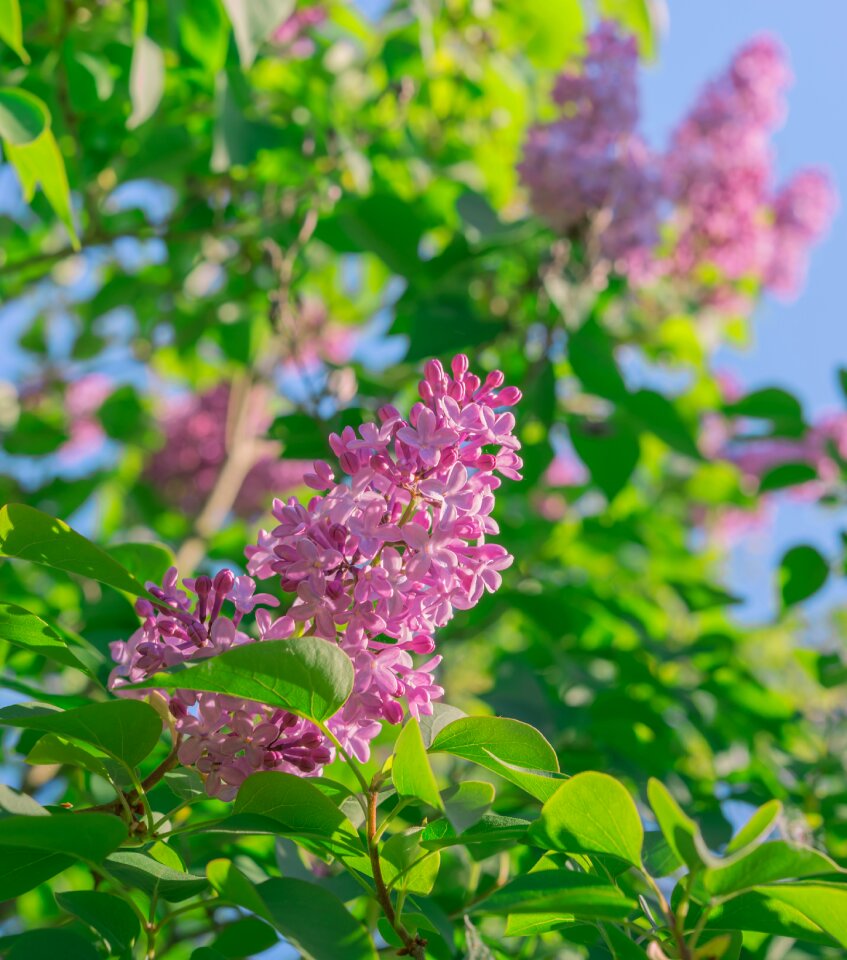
(413, 946)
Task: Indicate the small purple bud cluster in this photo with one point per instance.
(377, 563)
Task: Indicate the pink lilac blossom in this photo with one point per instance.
(292, 33)
(83, 398)
(185, 470)
(589, 167)
(376, 563)
(718, 174)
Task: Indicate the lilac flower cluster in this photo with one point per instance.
(590, 173)
(376, 562)
(184, 471)
(589, 169)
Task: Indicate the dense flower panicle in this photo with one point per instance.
(377, 562)
(186, 468)
(393, 550)
(590, 163)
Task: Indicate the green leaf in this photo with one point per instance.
(610, 450)
(768, 863)
(34, 436)
(24, 629)
(23, 117)
(204, 33)
(138, 870)
(787, 475)
(656, 414)
(145, 561)
(247, 937)
(231, 884)
(108, 915)
(591, 813)
(514, 750)
(466, 803)
(29, 534)
(623, 948)
(127, 730)
(314, 921)
(409, 866)
(24, 868)
(802, 572)
(590, 354)
(146, 80)
(121, 414)
(12, 802)
(493, 832)
(681, 832)
(783, 410)
(559, 891)
(756, 828)
(90, 836)
(40, 162)
(410, 770)
(293, 802)
(253, 21)
(11, 27)
(50, 944)
(306, 675)
(809, 911)
(54, 749)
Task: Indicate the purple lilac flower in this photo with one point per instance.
(376, 564)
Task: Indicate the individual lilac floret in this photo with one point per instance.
(400, 544)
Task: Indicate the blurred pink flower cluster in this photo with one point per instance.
(390, 552)
(184, 471)
(712, 191)
(589, 169)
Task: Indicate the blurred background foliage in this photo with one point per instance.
(230, 227)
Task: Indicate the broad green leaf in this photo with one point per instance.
(803, 571)
(140, 871)
(23, 117)
(23, 868)
(146, 80)
(106, 914)
(127, 730)
(654, 413)
(145, 561)
(681, 832)
(466, 803)
(559, 891)
(231, 884)
(40, 162)
(29, 534)
(591, 813)
(306, 675)
(26, 630)
(410, 769)
(11, 27)
(314, 921)
(50, 944)
(204, 33)
(88, 836)
(185, 782)
(768, 863)
(590, 354)
(253, 21)
(610, 449)
(55, 749)
(491, 831)
(787, 475)
(780, 407)
(622, 946)
(514, 750)
(813, 912)
(14, 803)
(293, 802)
(407, 865)
(756, 828)
(247, 937)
